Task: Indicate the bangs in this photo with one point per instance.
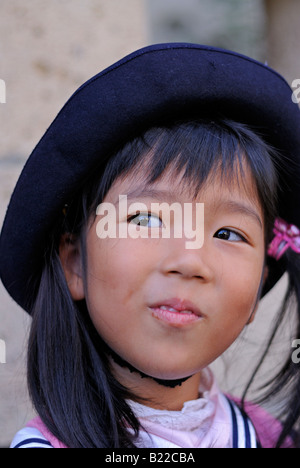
(198, 151)
(202, 152)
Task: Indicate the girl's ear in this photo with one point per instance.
(70, 257)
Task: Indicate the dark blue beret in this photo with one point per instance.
(151, 86)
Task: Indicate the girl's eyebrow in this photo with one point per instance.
(148, 192)
(231, 206)
(234, 206)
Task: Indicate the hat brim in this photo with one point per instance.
(152, 86)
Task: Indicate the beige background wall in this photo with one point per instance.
(283, 32)
(47, 49)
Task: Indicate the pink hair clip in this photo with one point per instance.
(286, 236)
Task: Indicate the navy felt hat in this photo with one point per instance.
(152, 86)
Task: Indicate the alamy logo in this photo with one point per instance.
(296, 93)
(136, 221)
(296, 353)
(2, 92)
(2, 352)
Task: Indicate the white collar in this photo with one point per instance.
(194, 414)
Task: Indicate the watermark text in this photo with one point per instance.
(2, 352)
(163, 220)
(296, 353)
(2, 92)
(296, 91)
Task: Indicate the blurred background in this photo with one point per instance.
(47, 49)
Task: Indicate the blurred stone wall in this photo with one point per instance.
(267, 30)
(238, 25)
(283, 33)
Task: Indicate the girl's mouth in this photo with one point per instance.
(176, 312)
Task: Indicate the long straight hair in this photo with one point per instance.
(69, 378)
(283, 389)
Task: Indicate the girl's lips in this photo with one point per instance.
(176, 311)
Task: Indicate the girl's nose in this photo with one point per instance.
(188, 263)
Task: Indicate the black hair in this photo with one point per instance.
(283, 389)
(69, 376)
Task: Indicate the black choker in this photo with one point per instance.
(122, 363)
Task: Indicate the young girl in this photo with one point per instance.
(156, 211)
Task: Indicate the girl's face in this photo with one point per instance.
(167, 310)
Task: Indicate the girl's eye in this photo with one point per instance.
(229, 235)
(145, 219)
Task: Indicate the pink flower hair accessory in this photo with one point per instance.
(286, 236)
